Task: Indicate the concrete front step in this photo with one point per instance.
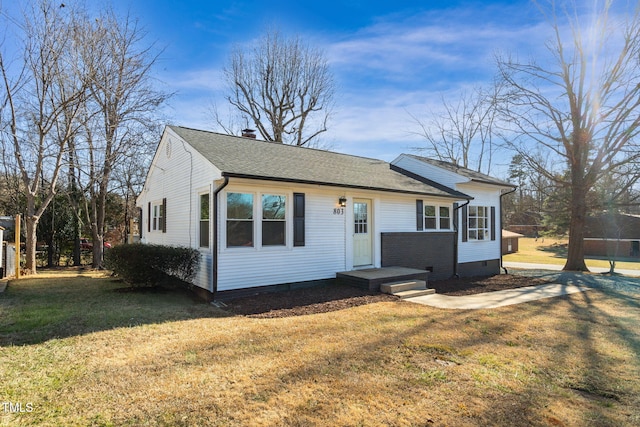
(405, 285)
(414, 293)
(407, 289)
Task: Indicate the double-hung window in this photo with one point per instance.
(204, 220)
(430, 217)
(239, 220)
(258, 219)
(437, 217)
(478, 223)
(273, 220)
(445, 217)
(158, 215)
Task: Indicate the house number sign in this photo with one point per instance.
(338, 211)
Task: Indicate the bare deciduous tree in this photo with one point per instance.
(463, 132)
(121, 105)
(42, 100)
(283, 87)
(581, 109)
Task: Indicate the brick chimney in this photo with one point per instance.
(249, 133)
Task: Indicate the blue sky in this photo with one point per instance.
(390, 59)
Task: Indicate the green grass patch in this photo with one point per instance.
(554, 251)
(42, 308)
(106, 357)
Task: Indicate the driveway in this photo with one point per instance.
(563, 283)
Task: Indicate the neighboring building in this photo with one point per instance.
(612, 234)
(510, 241)
(265, 213)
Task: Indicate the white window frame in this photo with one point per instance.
(437, 216)
(474, 231)
(258, 220)
(201, 220)
(253, 221)
(156, 216)
(266, 220)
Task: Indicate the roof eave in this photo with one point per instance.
(342, 185)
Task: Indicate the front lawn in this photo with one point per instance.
(81, 353)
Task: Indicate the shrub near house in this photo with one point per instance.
(149, 265)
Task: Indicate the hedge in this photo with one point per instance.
(149, 265)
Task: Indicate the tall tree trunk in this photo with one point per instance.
(98, 242)
(30, 244)
(575, 253)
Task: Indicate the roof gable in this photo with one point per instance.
(255, 159)
(466, 173)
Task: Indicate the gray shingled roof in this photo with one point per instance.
(249, 158)
(468, 173)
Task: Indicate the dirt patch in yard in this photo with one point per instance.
(323, 299)
(478, 285)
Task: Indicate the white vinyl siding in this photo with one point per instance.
(181, 179)
(480, 250)
(320, 258)
(434, 173)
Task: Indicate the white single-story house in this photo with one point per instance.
(264, 214)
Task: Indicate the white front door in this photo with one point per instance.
(362, 232)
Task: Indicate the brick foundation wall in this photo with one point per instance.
(424, 251)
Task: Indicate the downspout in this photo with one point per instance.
(455, 238)
(501, 248)
(214, 273)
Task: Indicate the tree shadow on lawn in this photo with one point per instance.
(35, 310)
(559, 250)
(409, 353)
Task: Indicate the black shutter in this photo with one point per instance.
(164, 215)
(298, 219)
(140, 223)
(465, 223)
(149, 218)
(493, 223)
(419, 215)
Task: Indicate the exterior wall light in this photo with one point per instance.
(342, 201)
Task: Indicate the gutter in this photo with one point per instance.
(214, 273)
(449, 192)
(455, 239)
(502, 195)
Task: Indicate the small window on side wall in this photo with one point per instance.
(157, 219)
(204, 220)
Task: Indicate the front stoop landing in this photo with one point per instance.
(373, 278)
(407, 289)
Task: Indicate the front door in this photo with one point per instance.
(362, 242)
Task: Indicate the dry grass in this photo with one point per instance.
(569, 361)
(550, 250)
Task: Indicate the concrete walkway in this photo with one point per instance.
(497, 298)
(557, 267)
